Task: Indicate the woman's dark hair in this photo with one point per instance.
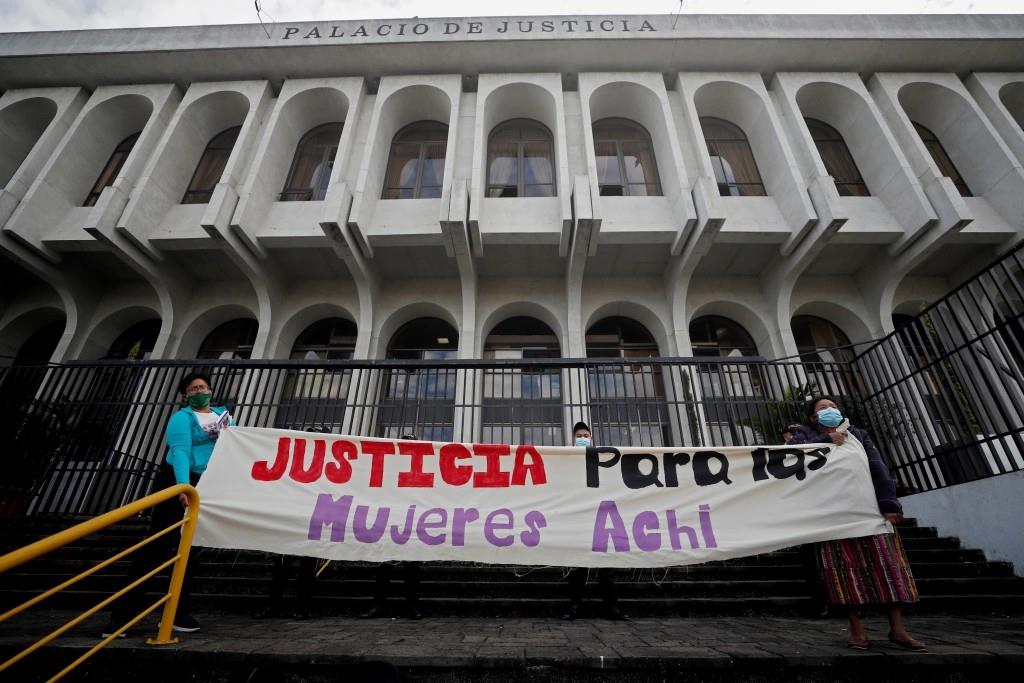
(815, 400)
(192, 377)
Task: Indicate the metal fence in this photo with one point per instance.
(92, 436)
(945, 392)
(942, 397)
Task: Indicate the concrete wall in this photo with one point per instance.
(984, 514)
(570, 259)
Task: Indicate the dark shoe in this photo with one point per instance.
(302, 614)
(908, 644)
(411, 612)
(184, 623)
(614, 614)
(375, 612)
(111, 627)
(267, 612)
(571, 613)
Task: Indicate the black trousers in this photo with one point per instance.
(306, 575)
(577, 580)
(146, 558)
(382, 581)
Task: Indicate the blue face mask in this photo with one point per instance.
(829, 417)
(583, 442)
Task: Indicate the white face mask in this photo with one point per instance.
(583, 442)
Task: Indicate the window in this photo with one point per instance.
(825, 351)
(329, 339)
(838, 161)
(136, 342)
(627, 400)
(310, 173)
(942, 159)
(819, 341)
(109, 173)
(420, 400)
(732, 160)
(233, 339)
(625, 160)
(522, 405)
(211, 167)
(714, 336)
(316, 395)
(520, 160)
(416, 163)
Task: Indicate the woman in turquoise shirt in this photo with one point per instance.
(191, 435)
(192, 431)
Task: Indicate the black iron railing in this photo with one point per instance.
(942, 397)
(93, 433)
(945, 392)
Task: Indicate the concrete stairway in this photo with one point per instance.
(951, 579)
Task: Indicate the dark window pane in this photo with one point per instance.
(942, 160)
(112, 168)
(416, 162)
(310, 173)
(732, 160)
(608, 171)
(625, 159)
(838, 161)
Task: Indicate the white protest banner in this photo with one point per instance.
(354, 498)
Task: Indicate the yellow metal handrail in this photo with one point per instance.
(169, 600)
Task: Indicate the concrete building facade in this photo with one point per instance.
(564, 170)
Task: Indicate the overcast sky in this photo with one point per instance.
(41, 15)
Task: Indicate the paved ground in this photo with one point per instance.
(422, 650)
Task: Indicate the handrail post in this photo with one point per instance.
(165, 635)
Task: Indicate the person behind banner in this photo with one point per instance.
(382, 584)
(788, 431)
(577, 576)
(191, 435)
(305, 570)
(809, 555)
(870, 570)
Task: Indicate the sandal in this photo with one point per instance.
(857, 643)
(908, 644)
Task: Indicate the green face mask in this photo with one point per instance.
(199, 400)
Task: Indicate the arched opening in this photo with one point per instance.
(32, 430)
(522, 405)
(713, 336)
(21, 126)
(316, 396)
(420, 401)
(1012, 97)
(520, 160)
(825, 352)
(39, 347)
(136, 342)
(820, 341)
(231, 340)
(627, 399)
(625, 159)
(942, 159)
(416, 162)
(111, 169)
(310, 172)
(211, 167)
(839, 163)
(28, 367)
(730, 393)
(732, 159)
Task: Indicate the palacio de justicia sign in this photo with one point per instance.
(460, 28)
